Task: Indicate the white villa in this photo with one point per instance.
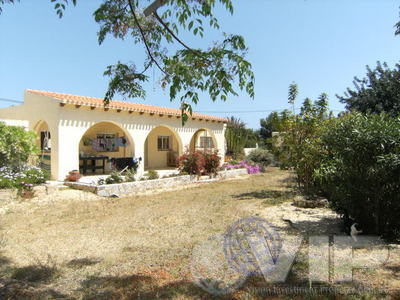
(80, 133)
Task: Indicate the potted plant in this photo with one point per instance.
(25, 190)
(73, 175)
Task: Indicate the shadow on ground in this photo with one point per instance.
(321, 226)
(140, 287)
(274, 196)
(82, 262)
(27, 282)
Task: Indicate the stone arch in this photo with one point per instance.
(105, 138)
(195, 140)
(161, 148)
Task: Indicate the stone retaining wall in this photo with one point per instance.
(133, 188)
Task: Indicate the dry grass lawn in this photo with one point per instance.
(128, 248)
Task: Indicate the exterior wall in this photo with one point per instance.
(37, 108)
(68, 124)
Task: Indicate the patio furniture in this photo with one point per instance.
(93, 166)
(121, 163)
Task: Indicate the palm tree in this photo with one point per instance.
(236, 136)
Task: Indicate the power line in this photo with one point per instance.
(11, 100)
(239, 111)
(251, 111)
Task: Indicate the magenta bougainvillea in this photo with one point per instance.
(251, 168)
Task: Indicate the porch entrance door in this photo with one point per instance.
(45, 147)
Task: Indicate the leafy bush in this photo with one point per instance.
(114, 177)
(16, 146)
(130, 175)
(199, 162)
(261, 156)
(35, 175)
(152, 174)
(211, 162)
(191, 163)
(298, 147)
(14, 178)
(360, 170)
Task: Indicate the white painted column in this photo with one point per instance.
(139, 138)
(66, 148)
(54, 155)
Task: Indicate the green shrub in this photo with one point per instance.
(114, 177)
(152, 174)
(130, 175)
(16, 146)
(360, 169)
(261, 156)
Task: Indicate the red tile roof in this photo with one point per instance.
(121, 105)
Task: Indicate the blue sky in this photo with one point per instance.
(319, 44)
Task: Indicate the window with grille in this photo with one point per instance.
(163, 143)
(206, 142)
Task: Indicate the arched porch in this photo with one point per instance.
(203, 140)
(161, 148)
(102, 143)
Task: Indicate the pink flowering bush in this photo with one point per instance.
(251, 168)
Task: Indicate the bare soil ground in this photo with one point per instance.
(78, 245)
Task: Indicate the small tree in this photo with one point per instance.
(300, 148)
(293, 92)
(378, 92)
(269, 125)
